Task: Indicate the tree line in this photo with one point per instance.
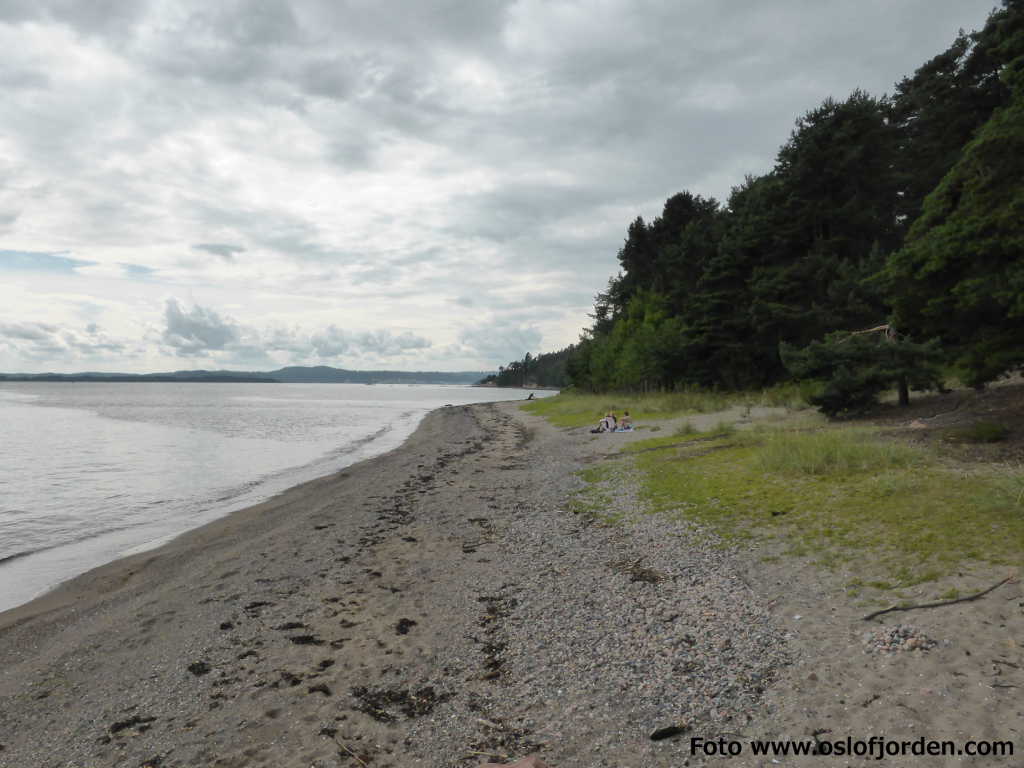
(901, 213)
(545, 370)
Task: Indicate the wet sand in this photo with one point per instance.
(440, 605)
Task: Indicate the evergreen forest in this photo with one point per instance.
(883, 249)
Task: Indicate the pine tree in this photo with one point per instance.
(960, 275)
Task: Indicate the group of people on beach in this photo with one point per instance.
(609, 423)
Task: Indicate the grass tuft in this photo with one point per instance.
(686, 429)
(833, 452)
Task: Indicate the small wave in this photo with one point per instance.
(324, 465)
(86, 536)
(16, 555)
(355, 445)
(17, 397)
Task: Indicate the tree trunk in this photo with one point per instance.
(904, 391)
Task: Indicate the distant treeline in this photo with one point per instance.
(290, 375)
(902, 213)
(544, 370)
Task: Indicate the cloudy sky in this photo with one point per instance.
(372, 184)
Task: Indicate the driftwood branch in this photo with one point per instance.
(351, 754)
(939, 604)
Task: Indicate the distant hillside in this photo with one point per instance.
(320, 374)
(324, 373)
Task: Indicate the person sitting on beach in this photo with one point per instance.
(625, 423)
(607, 424)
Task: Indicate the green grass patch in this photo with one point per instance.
(842, 497)
(594, 500)
(682, 436)
(574, 409)
(831, 452)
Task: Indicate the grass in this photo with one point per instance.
(575, 409)
(841, 496)
(831, 452)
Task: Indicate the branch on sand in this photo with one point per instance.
(939, 604)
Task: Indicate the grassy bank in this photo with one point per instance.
(844, 496)
(574, 409)
(841, 496)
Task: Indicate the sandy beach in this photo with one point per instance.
(440, 605)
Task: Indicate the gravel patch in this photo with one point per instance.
(902, 637)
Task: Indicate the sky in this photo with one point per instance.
(245, 184)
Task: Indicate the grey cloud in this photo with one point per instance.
(23, 79)
(28, 331)
(334, 342)
(476, 25)
(500, 342)
(201, 331)
(106, 18)
(198, 331)
(270, 229)
(224, 250)
(351, 152)
(330, 77)
(44, 341)
(229, 43)
(258, 24)
(518, 208)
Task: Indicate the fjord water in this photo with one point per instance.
(90, 472)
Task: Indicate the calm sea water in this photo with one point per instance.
(92, 472)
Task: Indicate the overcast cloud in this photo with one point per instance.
(435, 185)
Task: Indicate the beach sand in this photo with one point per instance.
(440, 605)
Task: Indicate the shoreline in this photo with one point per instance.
(39, 570)
(121, 568)
(442, 605)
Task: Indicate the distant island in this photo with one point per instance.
(295, 374)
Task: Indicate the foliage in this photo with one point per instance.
(960, 275)
(707, 294)
(544, 370)
(856, 368)
(942, 105)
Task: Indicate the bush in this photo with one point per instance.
(856, 368)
